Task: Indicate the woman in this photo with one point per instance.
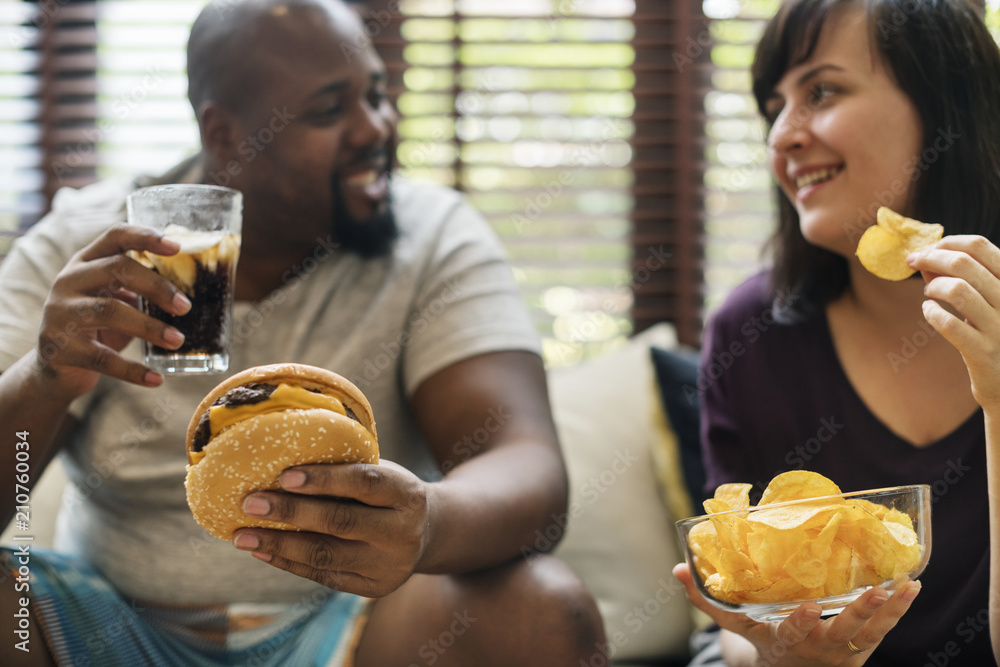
(870, 382)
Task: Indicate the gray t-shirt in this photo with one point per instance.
(444, 294)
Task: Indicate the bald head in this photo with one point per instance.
(232, 40)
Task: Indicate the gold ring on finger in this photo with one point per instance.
(854, 649)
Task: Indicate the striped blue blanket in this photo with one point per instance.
(86, 623)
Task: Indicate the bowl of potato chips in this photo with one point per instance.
(805, 541)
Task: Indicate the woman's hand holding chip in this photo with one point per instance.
(963, 304)
(804, 638)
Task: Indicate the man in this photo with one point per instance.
(398, 287)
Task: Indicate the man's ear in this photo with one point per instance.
(219, 129)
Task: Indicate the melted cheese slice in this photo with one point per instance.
(285, 397)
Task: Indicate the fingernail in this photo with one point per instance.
(153, 379)
(911, 592)
(246, 541)
(181, 303)
(260, 555)
(168, 243)
(811, 614)
(878, 599)
(293, 479)
(257, 506)
(173, 337)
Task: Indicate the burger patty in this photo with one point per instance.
(248, 394)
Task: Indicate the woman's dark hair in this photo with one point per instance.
(944, 59)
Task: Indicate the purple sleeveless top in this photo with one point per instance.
(774, 398)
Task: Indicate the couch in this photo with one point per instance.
(628, 426)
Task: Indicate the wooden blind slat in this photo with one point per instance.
(669, 122)
(562, 262)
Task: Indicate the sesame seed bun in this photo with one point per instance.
(250, 454)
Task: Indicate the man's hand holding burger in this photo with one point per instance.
(260, 473)
(365, 527)
(260, 447)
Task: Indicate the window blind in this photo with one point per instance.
(530, 107)
(21, 177)
(46, 106)
(146, 123)
(526, 106)
(671, 69)
(739, 205)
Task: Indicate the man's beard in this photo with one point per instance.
(369, 237)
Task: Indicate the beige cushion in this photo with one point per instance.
(620, 537)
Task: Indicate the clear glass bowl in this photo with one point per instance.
(913, 501)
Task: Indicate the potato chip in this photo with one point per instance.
(736, 496)
(870, 540)
(884, 246)
(779, 591)
(809, 564)
(906, 547)
(797, 485)
(895, 516)
(716, 506)
(875, 509)
(782, 553)
(704, 544)
(788, 518)
(839, 569)
(773, 551)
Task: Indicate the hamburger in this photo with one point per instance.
(259, 422)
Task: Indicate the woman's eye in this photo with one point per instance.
(821, 91)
